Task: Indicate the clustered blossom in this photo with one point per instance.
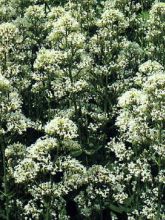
(48, 60)
(114, 19)
(35, 12)
(155, 31)
(61, 127)
(140, 122)
(4, 83)
(8, 31)
(82, 109)
(120, 150)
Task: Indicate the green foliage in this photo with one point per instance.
(82, 109)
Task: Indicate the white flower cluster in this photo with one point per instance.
(61, 127)
(4, 84)
(63, 26)
(101, 184)
(78, 86)
(8, 32)
(140, 123)
(156, 30)
(49, 60)
(26, 171)
(34, 13)
(17, 122)
(150, 66)
(11, 113)
(33, 166)
(140, 106)
(42, 147)
(113, 18)
(140, 169)
(120, 150)
(82, 109)
(132, 97)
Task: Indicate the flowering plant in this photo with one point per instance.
(82, 109)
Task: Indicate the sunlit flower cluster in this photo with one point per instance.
(82, 109)
(8, 32)
(61, 127)
(4, 83)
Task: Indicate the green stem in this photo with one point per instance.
(160, 127)
(5, 182)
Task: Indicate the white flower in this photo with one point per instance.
(42, 147)
(34, 12)
(4, 83)
(26, 170)
(8, 32)
(132, 97)
(120, 150)
(114, 19)
(155, 85)
(49, 60)
(61, 127)
(64, 25)
(150, 66)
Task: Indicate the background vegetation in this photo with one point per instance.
(82, 109)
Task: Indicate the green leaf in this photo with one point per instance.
(76, 153)
(145, 15)
(115, 208)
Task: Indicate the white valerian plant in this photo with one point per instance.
(140, 123)
(150, 66)
(113, 18)
(155, 32)
(4, 84)
(49, 61)
(129, 8)
(101, 185)
(34, 13)
(41, 160)
(105, 46)
(120, 150)
(82, 108)
(61, 127)
(86, 12)
(8, 32)
(8, 37)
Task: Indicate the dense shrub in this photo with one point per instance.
(82, 109)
